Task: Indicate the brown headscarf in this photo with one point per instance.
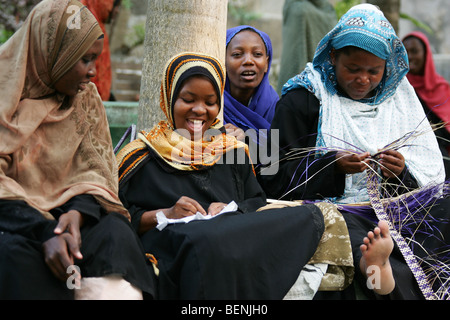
(53, 148)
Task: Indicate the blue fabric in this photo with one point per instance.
(363, 26)
(259, 113)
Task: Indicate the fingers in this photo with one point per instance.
(235, 131)
(216, 207)
(185, 206)
(70, 222)
(352, 163)
(392, 163)
(59, 253)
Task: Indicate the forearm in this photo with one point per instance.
(20, 218)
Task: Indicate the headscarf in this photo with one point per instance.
(373, 123)
(102, 9)
(431, 87)
(176, 150)
(365, 27)
(53, 147)
(260, 111)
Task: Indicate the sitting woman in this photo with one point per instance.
(60, 214)
(432, 89)
(352, 130)
(186, 166)
(249, 99)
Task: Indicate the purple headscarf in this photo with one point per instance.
(259, 113)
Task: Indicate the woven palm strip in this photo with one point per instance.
(372, 188)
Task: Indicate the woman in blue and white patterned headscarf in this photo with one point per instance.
(349, 103)
(350, 113)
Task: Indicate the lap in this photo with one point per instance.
(255, 255)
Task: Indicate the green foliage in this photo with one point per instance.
(417, 23)
(343, 6)
(241, 13)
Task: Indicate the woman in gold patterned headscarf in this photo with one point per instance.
(58, 175)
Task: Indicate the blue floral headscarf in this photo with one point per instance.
(363, 26)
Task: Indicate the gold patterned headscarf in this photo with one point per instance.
(53, 147)
(176, 150)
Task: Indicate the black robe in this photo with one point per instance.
(237, 255)
(109, 246)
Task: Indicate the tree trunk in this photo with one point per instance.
(391, 10)
(174, 26)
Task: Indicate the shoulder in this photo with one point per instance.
(130, 158)
(298, 102)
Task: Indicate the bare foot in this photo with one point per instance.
(374, 263)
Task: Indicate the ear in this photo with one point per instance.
(333, 56)
(267, 64)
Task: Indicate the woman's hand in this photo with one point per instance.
(61, 250)
(234, 131)
(352, 163)
(216, 207)
(392, 163)
(184, 207)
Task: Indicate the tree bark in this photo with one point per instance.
(174, 26)
(391, 10)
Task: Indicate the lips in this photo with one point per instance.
(248, 74)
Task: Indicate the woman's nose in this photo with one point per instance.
(92, 72)
(199, 108)
(363, 79)
(248, 58)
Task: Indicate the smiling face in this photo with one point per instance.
(80, 74)
(358, 72)
(196, 106)
(416, 55)
(246, 63)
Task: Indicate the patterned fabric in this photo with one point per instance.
(176, 150)
(370, 124)
(53, 148)
(365, 27)
(334, 248)
(260, 111)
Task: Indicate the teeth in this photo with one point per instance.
(197, 124)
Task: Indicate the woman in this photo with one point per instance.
(186, 166)
(104, 12)
(58, 195)
(249, 99)
(352, 130)
(432, 89)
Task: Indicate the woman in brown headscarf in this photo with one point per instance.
(58, 176)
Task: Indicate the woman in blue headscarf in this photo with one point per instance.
(249, 99)
(352, 131)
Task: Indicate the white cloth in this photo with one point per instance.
(163, 221)
(307, 283)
